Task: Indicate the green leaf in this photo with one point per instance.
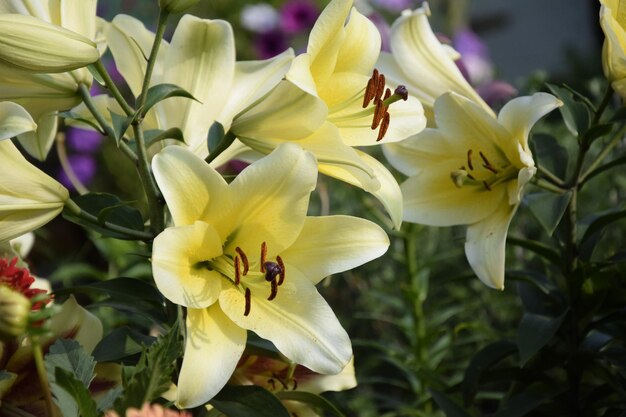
(575, 114)
(315, 400)
(484, 360)
(541, 249)
(121, 343)
(248, 401)
(534, 332)
(118, 213)
(95, 74)
(70, 115)
(215, 136)
(107, 401)
(595, 230)
(449, 407)
(120, 125)
(160, 92)
(153, 136)
(550, 154)
(75, 389)
(522, 404)
(548, 208)
(153, 374)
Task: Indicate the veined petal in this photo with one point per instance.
(360, 47)
(298, 321)
(253, 80)
(39, 142)
(286, 113)
(300, 74)
(14, 119)
(79, 16)
(332, 244)
(38, 9)
(484, 245)
(201, 59)
(187, 183)
(213, 347)
(429, 70)
(519, 115)
(431, 198)
(177, 264)
(271, 198)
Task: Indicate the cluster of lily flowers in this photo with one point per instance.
(244, 256)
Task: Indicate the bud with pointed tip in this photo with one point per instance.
(176, 6)
(34, 45)
(14, 311)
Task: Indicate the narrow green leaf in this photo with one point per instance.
(575, 114)
(160, 92)
(548, 208)
(215, 136)
(70, 115)
(449, 407)
(484, 360)
(595, 230)
(614, 163)
(541, 249)
(248, 401)
(315, 400)
(534, 332)
(120, 125)
(95, 74)
(153, 136)
(79, 392)
(121, 343)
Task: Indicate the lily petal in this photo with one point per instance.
(177, 258)
(186, 182)
(39, 142)
(332, 244)
(360, 47)
(288, 175)
(213, 347)
(298, 321)
(485, 244)
(14, 120)
(79, 16)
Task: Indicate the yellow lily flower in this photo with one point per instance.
(422, 63)
(613, 22)
(471, 170)
(28, 197)
(43, 95)
(244, 256)
(201, 60)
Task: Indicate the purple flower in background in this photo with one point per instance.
(474, 55)
(259, 18)
(496, 93)
(270, 43)
(394, 5)
(82, 140)
(84, 166)
(298, 15)
(384, 29)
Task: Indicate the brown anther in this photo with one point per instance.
(244, 260)
(379, 113)
(469, 159)
(487, 164)
(263, 255)
(281, 275)
(383, 127)
(246, 311)
(490, 168)
(370, 90)
(380, 86)
(274, 290)
(471, 177)
(486, 184)
(295, 384)
(237, 271)
(387, 94)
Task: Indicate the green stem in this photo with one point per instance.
(550, 177)
(73, 208)
(115, 92)
(606, 99)
(42, 375)
(108, 130)
(153, 194)
(226, 141)
(158, 37)
(540, 182)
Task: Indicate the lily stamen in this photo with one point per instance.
(281, 275)
(487, 164)
(272, 270)
(244, 260)
(248, 295)
(263, 255)
(274, 290)
(374, 92)
(237, 271)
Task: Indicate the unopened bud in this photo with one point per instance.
(176, 6)
(31, 44)
(14, 311)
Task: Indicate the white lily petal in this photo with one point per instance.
(300, 74)
(39, 142)
(520, 114)
(201, 59)
(14, 120)
(332, 244)
(360, 47)
(322, 383)
(288, 176)
(79, 16)
(485, 244)
(39, 9)
(213, 347)
(298, 321)
(185, 181)
(177, 264)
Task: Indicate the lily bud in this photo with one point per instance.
(613, 22)
(14, 311)
(31, 44)
(176, 6)
(28, 197)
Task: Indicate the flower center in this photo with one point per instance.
(20, 280)
(374, 92)
(237, 269)
(480, 171)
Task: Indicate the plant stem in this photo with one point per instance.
(73, 208)
(158, 37)
(606, 99)
(42, 374)
(417, 295)
(550, 177)
(67, 167)
(108, 130)
(115, 92)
